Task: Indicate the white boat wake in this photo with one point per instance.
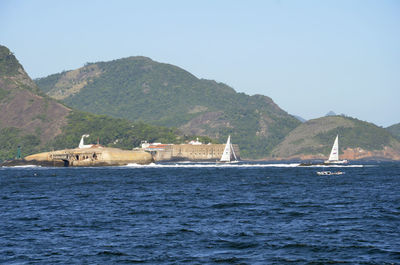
(339, 165)
(24, 166)
(240, 165)
(188, 164)
(209, 165)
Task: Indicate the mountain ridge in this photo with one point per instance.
(259, 125)
(35, 122)
(27, 116)
(23, 105)
(394, 130)
(140, 89)
(357, 140)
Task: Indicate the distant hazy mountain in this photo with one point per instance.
(357, 139)
(330, 113)
(299, 118)
(36, 122)
(137, 88)
(394, 130)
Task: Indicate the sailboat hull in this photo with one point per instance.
(228, 162)
(335, 162)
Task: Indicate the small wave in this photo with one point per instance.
(229, 205)
(186, 230)
(341, 166)
(113, 253)
(295, 213)
(237, 244)
(233, 260)
(132, 261)
(47, 229)
(54, 253)
(27, 219)
(145, 212)
(38, 198)
(303, 246)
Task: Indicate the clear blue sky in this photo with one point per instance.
(310, 57)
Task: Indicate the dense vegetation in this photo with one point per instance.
(139, 89)
(46, 112)
(394, 130)
(365, 135)
(46, 84)
(8, 64)
(110, 132)
(11, 138)
(3, 93)
(113, 132)
(317, 136)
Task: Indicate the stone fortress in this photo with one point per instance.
(193, 151)
(90, 155)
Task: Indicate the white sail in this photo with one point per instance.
(226, 155)
(233, 152)
(334, 156)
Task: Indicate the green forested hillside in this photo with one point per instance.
(34, 121)
(137, 88)
(315, 137)
(140, 90)
(113, 132)
(11, 138)
(9, 66)
(394, 130)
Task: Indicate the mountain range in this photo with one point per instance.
(140, 89)
(124, 101)
(36, 122)
(358, 139)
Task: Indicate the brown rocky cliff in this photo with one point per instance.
(22, 105)
(359, 153)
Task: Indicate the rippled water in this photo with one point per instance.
(200, 214)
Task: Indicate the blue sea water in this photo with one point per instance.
(200, 214)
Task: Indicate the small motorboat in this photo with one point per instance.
(328, 173)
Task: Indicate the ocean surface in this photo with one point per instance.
(247, 213)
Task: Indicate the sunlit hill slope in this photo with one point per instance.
(138, 88)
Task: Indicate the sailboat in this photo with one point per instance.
(229, 156)
(334, 156)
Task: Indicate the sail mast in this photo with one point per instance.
(226, 155)
(233, 152)
(334, 156)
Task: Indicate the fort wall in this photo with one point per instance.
(203, 152)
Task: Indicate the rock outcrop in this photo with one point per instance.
(89, 157)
